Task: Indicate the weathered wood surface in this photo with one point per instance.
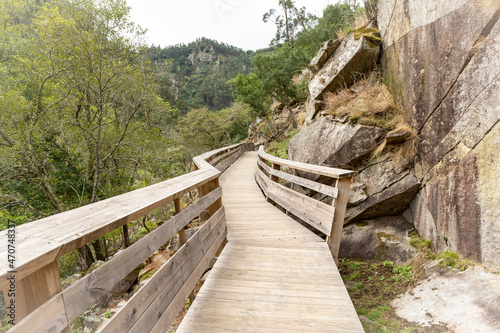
(314, 212)
(317, 169)
(40, 299)
(318, 187)
(89, 289)
(56, 235)
(152, 301)
(274, 275)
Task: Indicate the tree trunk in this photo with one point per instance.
(100, 253)
(126, 237)
(86, 257)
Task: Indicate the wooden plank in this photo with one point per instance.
(166, 279)
(340, 205)
(227, 153)
(201, 163)
(320, 170)
(313, 212)
(173, 309)
(37, 288)
(166, 302)
(48, 318)
(81, 295)
(67, 231)
(270, 261)
(318, 187)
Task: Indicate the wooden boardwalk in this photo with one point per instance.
(274, 275)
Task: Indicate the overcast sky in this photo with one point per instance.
(235, 22)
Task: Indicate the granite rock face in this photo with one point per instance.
(331, 143)
(326, 50)
(389, 190)
(354, 55)
(442, 59)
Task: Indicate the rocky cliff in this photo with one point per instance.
(440, 167)
(442, 61)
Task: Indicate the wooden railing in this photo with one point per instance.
(40, 303)
(272, 172)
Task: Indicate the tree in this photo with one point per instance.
(289, 22)
(273, 80)
(248, 89)
(202, 129)
(335, 17)
(78, 92)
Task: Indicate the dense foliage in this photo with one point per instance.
(195, 75)
(88, 111)
(83, 115)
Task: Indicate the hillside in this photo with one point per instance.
(195, 75)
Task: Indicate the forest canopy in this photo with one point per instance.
(81, 112)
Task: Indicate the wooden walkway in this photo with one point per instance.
(274, 275)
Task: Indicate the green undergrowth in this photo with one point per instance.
(279, 148)
(372, 286)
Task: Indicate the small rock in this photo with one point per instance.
(381, 239)
(398, 136)
(205, 276)
(357, 194)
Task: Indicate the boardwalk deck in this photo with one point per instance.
(274, 275)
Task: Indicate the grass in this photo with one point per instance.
(367, 102)
(452, 260)
(279, 148)
(372, 286)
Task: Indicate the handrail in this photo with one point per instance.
(40, 303)
(317, 169)
(270, 174)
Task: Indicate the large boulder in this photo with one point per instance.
(441, 60)
(331, 143)
(377, 240)
(357, 53)
(389, 189)
(326, 50)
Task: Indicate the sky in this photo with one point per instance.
(235, 22)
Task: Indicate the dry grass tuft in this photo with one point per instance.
(379, 150)
(367, 102)
(334, 100)
(301, 118)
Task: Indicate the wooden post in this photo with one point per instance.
(274, 179)
(182, 235)
(212, 209)
(340, 205)
(292, 187)
(37, 288)
(207, 188)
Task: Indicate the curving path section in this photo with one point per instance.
(274, 275)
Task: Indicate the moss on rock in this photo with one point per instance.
(371, 34)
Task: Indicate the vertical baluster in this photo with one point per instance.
(340, 205)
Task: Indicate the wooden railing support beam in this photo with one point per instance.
(37, 288)
(274, 179)
(182, 235)
(340, 205)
